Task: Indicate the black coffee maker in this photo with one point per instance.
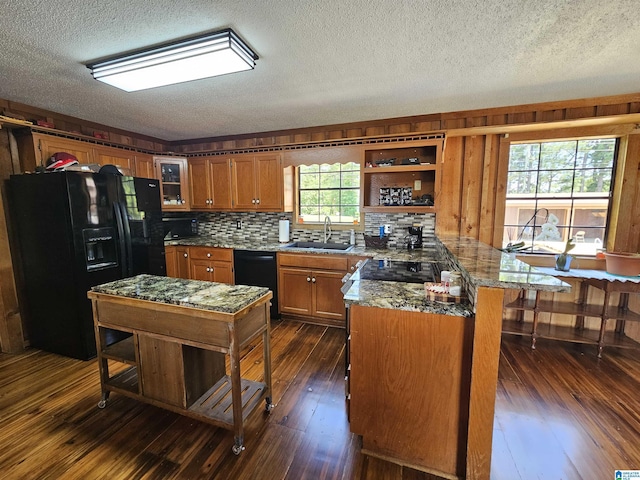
(414, 239)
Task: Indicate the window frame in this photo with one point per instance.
(548, 137)
(359, 227)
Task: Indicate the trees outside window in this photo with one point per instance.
(329, 191)
(565, 184)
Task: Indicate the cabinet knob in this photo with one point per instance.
(253, 200)
(313, 280)
(208, 255)
(184, 201)
(308, 279)
(257, 200)
(185, 255)
(353, 267)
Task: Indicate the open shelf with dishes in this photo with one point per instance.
(401, 179)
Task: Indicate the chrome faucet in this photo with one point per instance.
(327, 227)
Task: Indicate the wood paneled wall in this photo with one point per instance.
(474, 173)
(600, 110)
(11, 334)
(85, 128)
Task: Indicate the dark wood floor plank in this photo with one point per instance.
(561, 419)
(325, 449)
(297, 407)
(286, 370)
(560, 413)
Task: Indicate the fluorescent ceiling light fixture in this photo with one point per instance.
(199, 57)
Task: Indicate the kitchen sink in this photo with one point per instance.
(320, 246)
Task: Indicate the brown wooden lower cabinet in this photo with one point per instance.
(309, 287)
(177, 260)
(182, 262)
(170, 261)
(410, 387)
(211, 271)
(211, 264)
(200, 263)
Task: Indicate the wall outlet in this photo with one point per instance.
(417, 185)
(239, 224)
(387, 229)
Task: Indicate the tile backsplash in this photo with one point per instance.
(264, 227)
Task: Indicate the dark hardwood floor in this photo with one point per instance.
(561, 414)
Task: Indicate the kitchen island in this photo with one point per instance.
(173, 338)
(423, 375)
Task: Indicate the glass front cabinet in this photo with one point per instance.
(174, 182)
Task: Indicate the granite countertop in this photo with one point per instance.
(484, 265)
(490, 267)
(239, 243)
(259, 244)
(481, 265)
(401, 296)
(218, 297)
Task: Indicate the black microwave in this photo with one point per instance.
(180, 227)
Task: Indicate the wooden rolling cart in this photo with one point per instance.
(173, 356)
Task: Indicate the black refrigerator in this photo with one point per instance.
(75, 230)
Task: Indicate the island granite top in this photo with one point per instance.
(218, 297)
(401, 296)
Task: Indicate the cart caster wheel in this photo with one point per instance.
(102, 403)
(268, 407)
(237, 449)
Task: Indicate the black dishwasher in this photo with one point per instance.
(259, 269)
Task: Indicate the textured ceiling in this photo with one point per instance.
(321, 62)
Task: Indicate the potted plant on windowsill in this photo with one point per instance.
(563, 261)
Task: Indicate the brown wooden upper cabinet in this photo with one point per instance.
(144, 166)
(36, 149)
(174, 183)
(257, 183)
(210, 182)
(123, 159)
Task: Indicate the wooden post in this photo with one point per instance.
(484, 381)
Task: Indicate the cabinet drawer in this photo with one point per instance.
(211, 253)
(320, 262)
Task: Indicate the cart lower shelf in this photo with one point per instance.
(214, 406)
(216, 403)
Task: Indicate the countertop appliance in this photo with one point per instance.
(414, 237)
(394, 271)
(175, 227)
(400, 271)
(75, 230)
(259, 269)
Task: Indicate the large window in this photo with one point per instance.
(329, 191)
(559, 190)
